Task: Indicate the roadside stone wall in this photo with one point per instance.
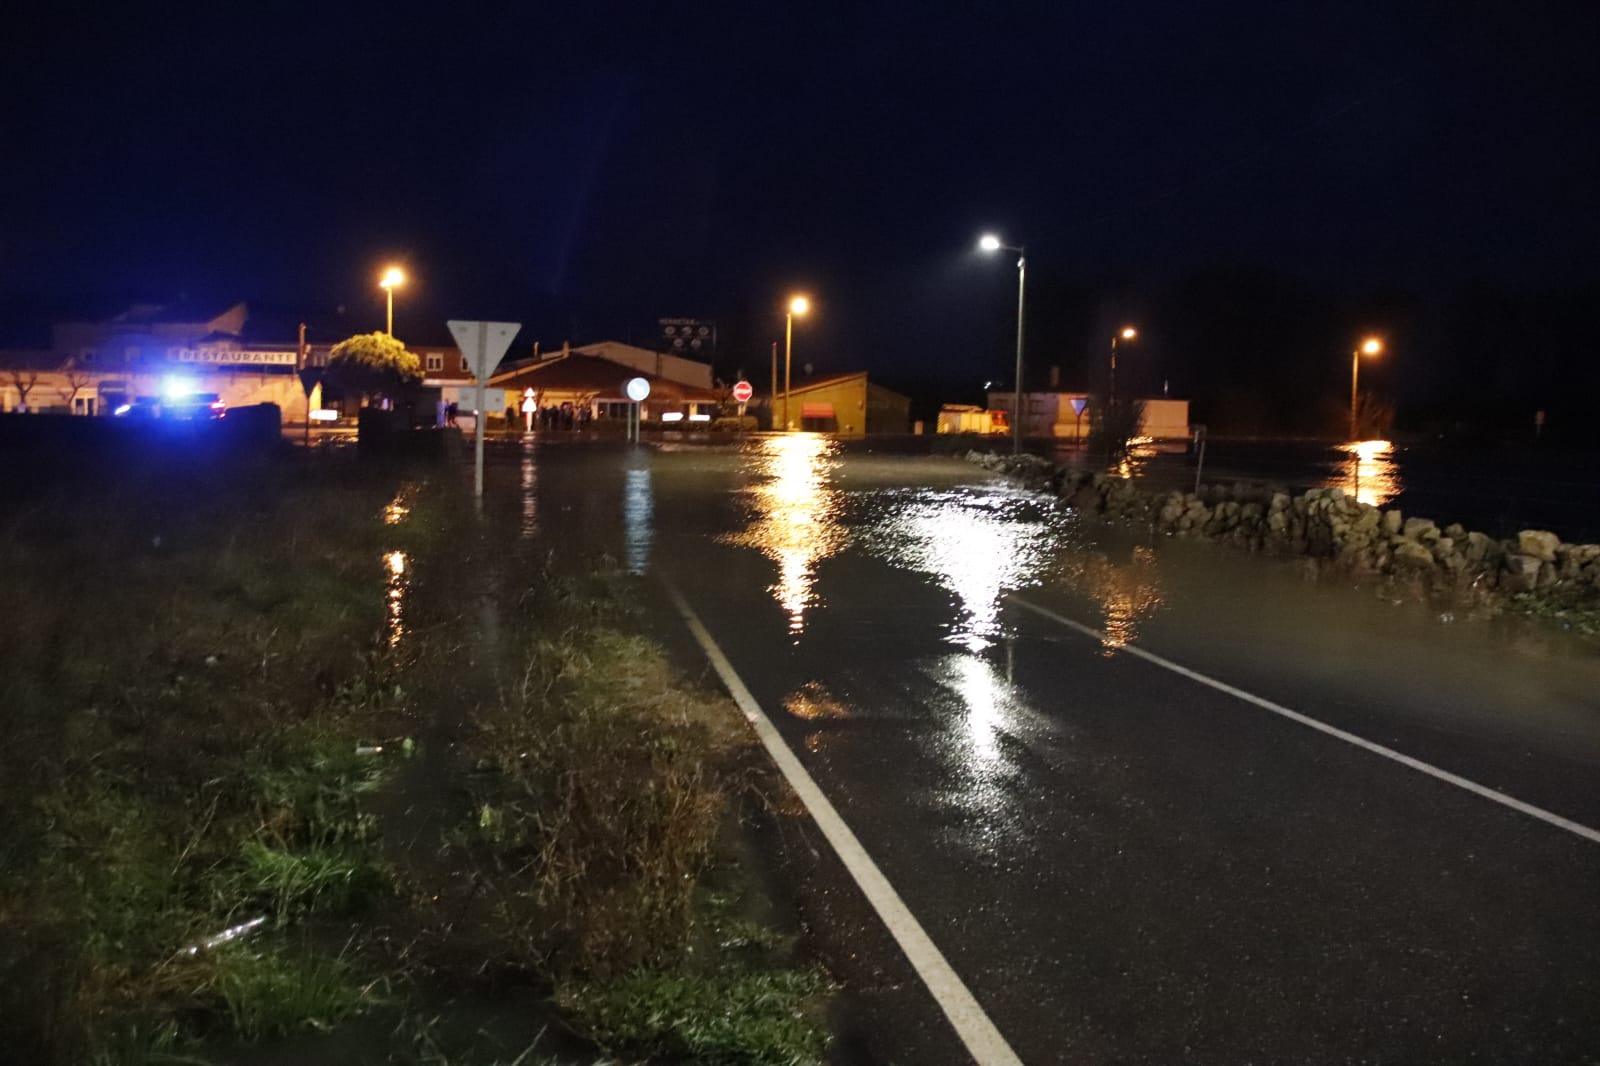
(1323, 524)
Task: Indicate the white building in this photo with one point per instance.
(150, 350)
(1069, 414)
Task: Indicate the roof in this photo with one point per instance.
(181, 312)
(827, 382)
(25, 359)
(839, 379)
(596, 375)
(614, 349)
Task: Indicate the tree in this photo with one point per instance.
(372, 364)
(75, 380)
(24, 381)
(1112, 426)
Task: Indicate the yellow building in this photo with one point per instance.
(845, 404)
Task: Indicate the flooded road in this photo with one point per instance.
(1127, 861)
(1497, 490)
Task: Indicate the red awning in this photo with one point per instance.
(816, 410)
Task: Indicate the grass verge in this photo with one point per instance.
(198, 853)
(600, 817)
(192, 655)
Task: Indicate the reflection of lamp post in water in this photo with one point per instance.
(1370, 346)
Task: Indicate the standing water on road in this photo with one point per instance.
(1124, 862)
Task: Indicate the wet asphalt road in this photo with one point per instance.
(1122, 864)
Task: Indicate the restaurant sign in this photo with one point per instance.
(236, 357)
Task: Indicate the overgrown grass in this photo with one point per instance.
(603, 803)
(765, 1017)
(278, 991)
(1575, 610)
(192, 659)
(190, 656)
(608, 783)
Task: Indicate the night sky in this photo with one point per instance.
(1251, 183)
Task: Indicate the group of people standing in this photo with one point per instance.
(562, 417)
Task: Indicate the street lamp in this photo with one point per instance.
(798, 305)
(392, 277)
(991, 244)
(1370, 346)
(1127, 333)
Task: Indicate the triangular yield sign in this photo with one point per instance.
(483, 343)
(310, 379)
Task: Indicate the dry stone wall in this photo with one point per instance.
(1324, 524)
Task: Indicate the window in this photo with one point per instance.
(435, 362)
(466, 367)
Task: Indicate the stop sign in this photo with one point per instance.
(742, 391)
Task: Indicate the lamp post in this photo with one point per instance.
(798, 305)
(1370, 346)
(991, 244)
(391, 278)
(1127, 333)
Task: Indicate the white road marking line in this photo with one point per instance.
(1576, 828)
(983, 1041)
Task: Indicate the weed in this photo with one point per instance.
(178, 750)
(276, 992)
(749, 1018)
(316, 881)
(604, 803)
(186, 689)
(1572, 609)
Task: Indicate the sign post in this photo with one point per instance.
(1078, 404)
(638, 391)
(310, 378)
(482, 344)
(742, 391)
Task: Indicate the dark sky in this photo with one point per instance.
(589, 168)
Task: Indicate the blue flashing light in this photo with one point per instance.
(177, 388)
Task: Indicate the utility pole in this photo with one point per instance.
(774, 408)
(299, 365)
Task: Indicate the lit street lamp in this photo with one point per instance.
(392, 277)
(798, 305)
(991, 244)
(1370, 346)
(1127, 334)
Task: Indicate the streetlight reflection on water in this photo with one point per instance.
(395, 563)
(1374, 476)
(638, 509)
(528, 483)
(976, 546)
(797, 521)
(990, 701)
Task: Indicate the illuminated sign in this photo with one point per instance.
(684, 335)
(235, 357)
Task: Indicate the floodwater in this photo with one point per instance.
(1495, 490)
(1120, 861)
